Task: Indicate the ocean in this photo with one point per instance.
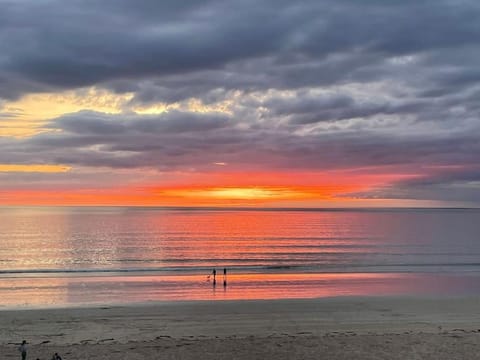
(81, 256)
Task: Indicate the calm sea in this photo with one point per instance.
(82, 256)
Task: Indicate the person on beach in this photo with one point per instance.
(224, 277)
(23, 349)
(214, 277)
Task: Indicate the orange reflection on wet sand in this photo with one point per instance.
(33, 291)
(94, 290)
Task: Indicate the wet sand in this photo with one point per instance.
(333, 328)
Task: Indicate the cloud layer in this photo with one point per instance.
(372, 86)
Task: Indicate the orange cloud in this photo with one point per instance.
(32, 111)
(46, 168)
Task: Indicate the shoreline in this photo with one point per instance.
(134, 289)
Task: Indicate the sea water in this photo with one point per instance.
(75, 256)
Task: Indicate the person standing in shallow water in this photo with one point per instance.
(224, 277)
(214, 277)
(23, 349)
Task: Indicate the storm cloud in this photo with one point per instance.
(53, 44)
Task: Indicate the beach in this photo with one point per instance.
(333, 328)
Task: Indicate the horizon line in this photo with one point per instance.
(250, 208)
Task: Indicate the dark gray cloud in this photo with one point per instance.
(95, 123)
(305, 108)
(180, 140)
(457, 191)
(235, 44)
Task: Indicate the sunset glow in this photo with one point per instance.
(236, 193)
(264, 196)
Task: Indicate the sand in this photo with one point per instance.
(331, 328)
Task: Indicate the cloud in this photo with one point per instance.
(270, 85)
(33, 168)
(182, 140)
(279, 44)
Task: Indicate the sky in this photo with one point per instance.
(322, 103)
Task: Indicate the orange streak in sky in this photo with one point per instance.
(216, 196)
(34, 168)
(217, 189)
(208, 196)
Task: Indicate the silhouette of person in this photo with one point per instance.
(224, 276)
(214, 277)
(23, 349)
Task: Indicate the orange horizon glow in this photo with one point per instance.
(198, 197)
(216, 189)
(181, 196)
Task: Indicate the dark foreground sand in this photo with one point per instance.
(335, 328)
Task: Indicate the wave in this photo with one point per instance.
(304, 268)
